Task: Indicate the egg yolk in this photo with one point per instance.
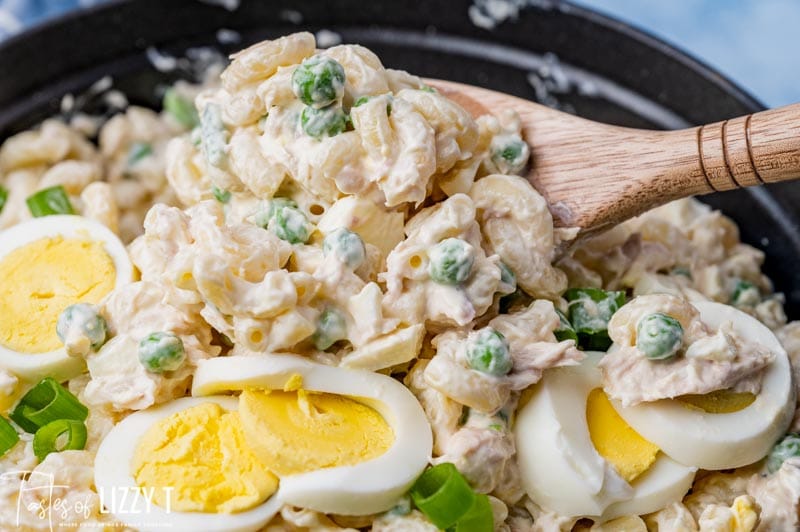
(298, 431)
(615, 440)
(43, 278)
(719, 401)
(197, 460)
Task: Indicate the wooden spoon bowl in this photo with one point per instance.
(597, 175)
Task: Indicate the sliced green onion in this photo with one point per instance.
(565, 330)
(8, 436)
(443, 495)
(53, 200)
(590, 310)
(479, 518)
(138, 151)
(180, 108)
(222, 196)
(3, 197)
(361, 100)
(46, 402)
(59, 435)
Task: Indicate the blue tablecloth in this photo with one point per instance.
(753, 42)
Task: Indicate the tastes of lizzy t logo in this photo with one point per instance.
(40, 498)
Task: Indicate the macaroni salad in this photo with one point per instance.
(316, 294)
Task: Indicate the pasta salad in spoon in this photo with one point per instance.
(314, 293)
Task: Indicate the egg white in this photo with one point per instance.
(57, 363)
(561, 469)
(112, 474)
(722, 441)
(365, 488)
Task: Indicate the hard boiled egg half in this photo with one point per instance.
(46, 265)
(328, 439)
(722, 430)
(578, 458)
(196, 446)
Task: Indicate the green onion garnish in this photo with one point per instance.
(59, 435)
(138, 151)
(46, 402)
(180, 108)
(479, 518)
(3, 197)
(443, 495)
(590, 310)
(8, 436)
(53, 200)
(222, 196)
(564, 330)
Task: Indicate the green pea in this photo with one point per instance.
(276, 204)
(590, 310)
(325, 122)
(268, 208)
(745, 294)
(508, 280)
(222, 196)
(346, 246)
(331, 327)
(161, 351)
(565, 330)
(86, 320)
(788, 447)
(509, 153)
(182, 109)
(318, 81)
(682, 270)
(451, 261)
(659, 336)
(213, 136)
(488, 352)
(287, 221)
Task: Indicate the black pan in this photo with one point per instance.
(580, 61)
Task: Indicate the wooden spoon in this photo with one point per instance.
(596, 175)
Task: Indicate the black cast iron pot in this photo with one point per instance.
(550, 51)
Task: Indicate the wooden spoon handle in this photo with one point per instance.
(751, 150)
